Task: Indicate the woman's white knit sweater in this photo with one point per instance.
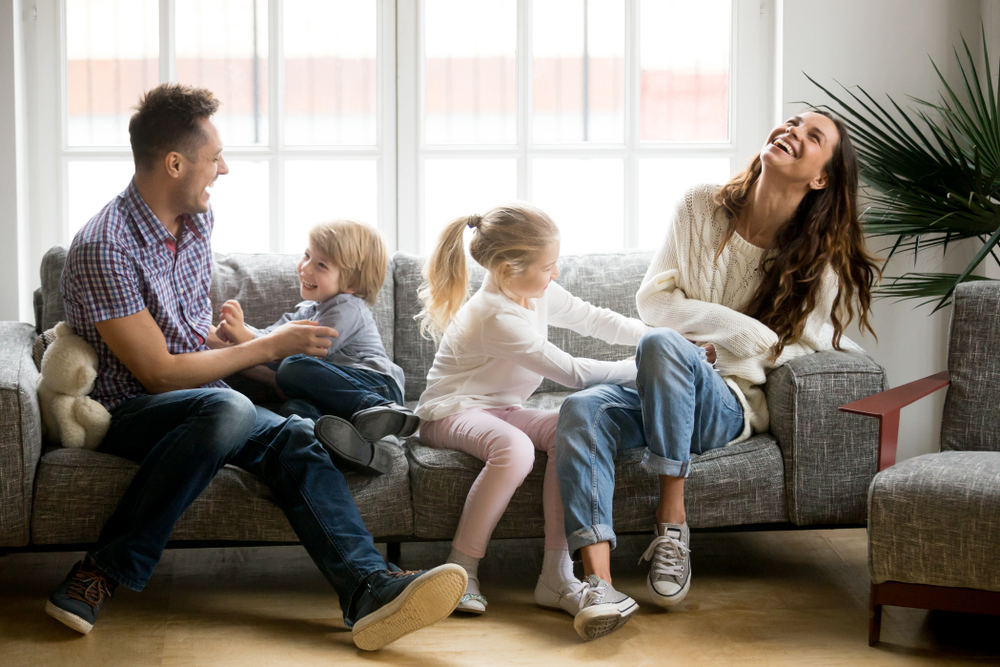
(689, 291)
(495, 352)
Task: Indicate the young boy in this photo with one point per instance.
(354, 392)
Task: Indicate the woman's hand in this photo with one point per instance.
(231, 326)
(710, 353)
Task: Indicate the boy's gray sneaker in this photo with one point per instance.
(602, 609)
(379, 421)
(670, 568)
(80, 597)
(348, 449)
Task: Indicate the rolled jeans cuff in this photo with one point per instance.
(662, 466)
(591, 535)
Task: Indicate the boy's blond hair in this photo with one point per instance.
(358, 250)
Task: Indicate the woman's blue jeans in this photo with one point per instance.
(680, 406)
(316, 388)
(182, 438)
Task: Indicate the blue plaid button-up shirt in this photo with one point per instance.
(125, 260)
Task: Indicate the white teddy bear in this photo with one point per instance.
(69, 415)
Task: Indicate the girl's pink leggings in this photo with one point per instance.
(506, 440)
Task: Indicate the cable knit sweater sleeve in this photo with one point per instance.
(686, 261)
(573, 313)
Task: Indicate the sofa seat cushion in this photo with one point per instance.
(77, 490)
(935, 520)
(740, 484)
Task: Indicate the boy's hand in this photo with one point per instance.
(231, 326)
(301, 337)
(214, 341)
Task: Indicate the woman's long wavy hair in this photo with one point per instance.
(825, 230)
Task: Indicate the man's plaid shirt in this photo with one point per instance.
(123, 261)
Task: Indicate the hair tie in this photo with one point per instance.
(474, 221)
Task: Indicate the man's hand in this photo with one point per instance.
(301, 337)
(231, 326)
(213, 341)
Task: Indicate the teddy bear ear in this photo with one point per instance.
(63, 329)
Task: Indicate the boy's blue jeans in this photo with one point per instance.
(317, 387)
(182, 438)
(680, 406)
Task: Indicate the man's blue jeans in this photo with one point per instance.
(317, 387)
(680, 406)
(182, 438)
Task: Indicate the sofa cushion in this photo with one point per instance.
(735, 485)
(935, 520)
(971, 418)
(76, 491)
(609, 281)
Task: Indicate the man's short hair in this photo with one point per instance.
(358, 251)
(167, 119)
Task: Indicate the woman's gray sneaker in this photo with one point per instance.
(391, 419)
(670, 564)
(602, 609)
(348, 449)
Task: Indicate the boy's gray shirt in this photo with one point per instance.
(358, 345)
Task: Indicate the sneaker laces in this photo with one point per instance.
(90, 587)
(591, 595)
(667, 555)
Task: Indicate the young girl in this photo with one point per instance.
(493, 356)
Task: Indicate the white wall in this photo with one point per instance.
(13, 202)
(883, 46)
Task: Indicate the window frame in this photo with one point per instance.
(751, 59)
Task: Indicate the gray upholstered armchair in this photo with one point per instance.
(934, 520)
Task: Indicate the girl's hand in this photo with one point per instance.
(231, 326)
(710, 353)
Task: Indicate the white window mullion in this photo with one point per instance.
(386, 115)
(276, 120)
(409, 114)
(524, 98)
(633, 90)
(168, 48)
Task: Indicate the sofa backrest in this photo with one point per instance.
(607, 280)
(971, 419)
(266, 286)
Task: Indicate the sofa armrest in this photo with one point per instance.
(830, 456)
(886, 406)
(20, 432)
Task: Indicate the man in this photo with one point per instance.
(135, 286)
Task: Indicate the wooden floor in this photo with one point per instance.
(782, 598)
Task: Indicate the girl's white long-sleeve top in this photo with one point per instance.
(687, 289)
(495, 353)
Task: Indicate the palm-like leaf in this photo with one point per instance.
(931, 175)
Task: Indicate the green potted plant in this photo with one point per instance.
(931, 174)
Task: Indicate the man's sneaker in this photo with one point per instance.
(602, 609)
(348, 448)
(391, 419)
(397, 603)
(670, 569)
(567, 598)
(80, 596)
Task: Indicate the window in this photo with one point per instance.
(409, 113)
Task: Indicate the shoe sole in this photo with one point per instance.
(68, 619)
(667, 601)
(347, 446)
(429, 598)
(378, 424)
(595, 622)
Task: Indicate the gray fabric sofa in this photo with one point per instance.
(813, 469)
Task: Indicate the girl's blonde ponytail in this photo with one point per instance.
(446, 278)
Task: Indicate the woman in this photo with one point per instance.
(769, 267)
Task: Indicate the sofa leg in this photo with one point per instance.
(874, 620)
(393, 552)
